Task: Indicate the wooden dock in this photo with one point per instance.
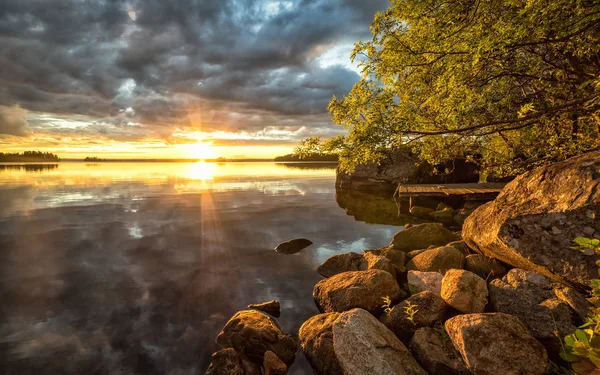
(447, 190)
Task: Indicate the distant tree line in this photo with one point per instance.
(311, 157)
(28, 156)
(93, 158)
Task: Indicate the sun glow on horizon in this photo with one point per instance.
(200, 150)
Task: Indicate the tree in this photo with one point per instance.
(511, 84)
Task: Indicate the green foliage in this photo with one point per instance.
(410, 310)
(512, 84)
(582, 348)
(28, 156)
(387, 302)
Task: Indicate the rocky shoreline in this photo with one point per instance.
(497, 297)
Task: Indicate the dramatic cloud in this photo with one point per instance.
(13, 121)
(130, 70)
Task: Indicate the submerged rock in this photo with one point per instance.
(465, 291)
(251, 333)
(362, 289)
(316, 339)
(365, 346)
(532, 223)
(272, 308)
(439, 260)
(421, 236)
(495, 343)
(293, 246)
(436, 353)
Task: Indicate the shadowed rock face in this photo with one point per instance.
(534, 220)
(316, 338)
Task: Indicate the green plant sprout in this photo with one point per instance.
(387, 304)
(410, 310)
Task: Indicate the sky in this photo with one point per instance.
(185, 78)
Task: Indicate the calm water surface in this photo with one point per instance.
(133, 268)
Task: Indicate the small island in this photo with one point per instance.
(93, 159)
(28, 157)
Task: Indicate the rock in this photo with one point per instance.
(529, 296)
(225, 362)
(516, 228)
(460, 245)
(436, 353)
(251, 333)
(443, 206)
(484, 266)
(251, 368)
(421, 281)
(461, 216)
(273, 365)
(464, 291)
(414, 253)
(572, 298)
(439, 259)
(397, 257)
(316, 339)
(339, 263)
(365, 346)
(272, 308)
(421, 236)
(430, 309)
(362, 289)
(379, 262)
(293, 246)
(444, 216)
(496, 343)
(419, 211)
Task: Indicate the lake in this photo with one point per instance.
(134, 268)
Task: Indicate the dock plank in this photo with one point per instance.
(448, 189)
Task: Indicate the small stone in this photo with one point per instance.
(465, 291)
(588, 231)
(273, 365)
(556, 231)
(272, 308)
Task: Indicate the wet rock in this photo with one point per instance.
(251, 333)
(496, 343)
(575, 300)
(421, 281)
(379, 262)
(362, 289)
(436, 353)
(316, 339)
(518, 227)
(421, 236)
(444, 216)
(484, 266)
(464, 291)
(419, 211)
(430, 309)
(365, 346)
(529, 296)
(225, 362)
(439, 259)
(272, 308)
(273, 365)
(339, 263)
(293, 246)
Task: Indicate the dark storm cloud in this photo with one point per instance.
(155, 63)
(13, 122)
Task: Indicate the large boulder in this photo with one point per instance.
(339, 263)
(430, 310)
(464, 291)
(440, 259)
(316, 339)
(251, 333)
(534, 220)
(225, 362)
(356, 289)
(420, 281)
(496, 343)
(364, 346)
(436, 353)
(422, 236)
(529, 296)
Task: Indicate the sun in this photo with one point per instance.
(201, 150)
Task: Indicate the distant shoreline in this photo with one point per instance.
(165, 161)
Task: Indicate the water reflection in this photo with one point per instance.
(134, 268)
(28, 167)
